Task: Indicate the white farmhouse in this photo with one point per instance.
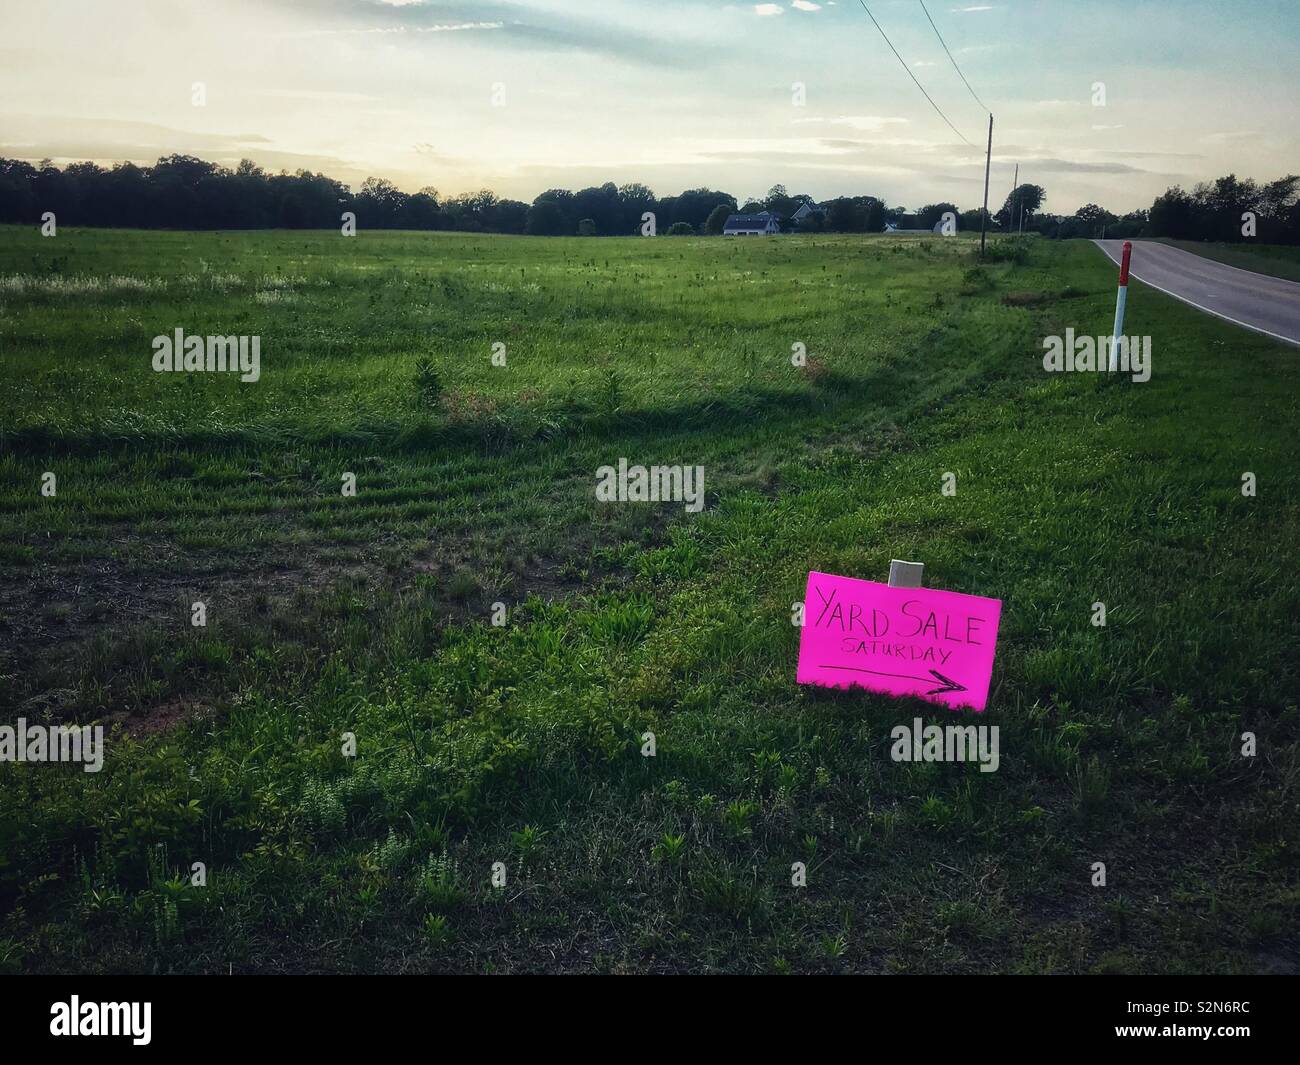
(751, 225)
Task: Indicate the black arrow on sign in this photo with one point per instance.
(947, 684)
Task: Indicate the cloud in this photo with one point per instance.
(1070, 166)
(755, 148)
(865, 123)
(436, 28)
(1053, 105)
(320, 96)
(1151, 155)
(518, 24)
(768, 10)
(430, 154)
(1230, 137)
(113, 138)
(925, 147)
(112, 143)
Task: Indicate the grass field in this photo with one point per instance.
(521, 744)
(1276, 260)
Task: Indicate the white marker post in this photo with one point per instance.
(1121, 299)
(905, 574)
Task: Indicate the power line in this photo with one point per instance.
(954, 62)
(911, 75)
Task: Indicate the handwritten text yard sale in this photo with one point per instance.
(924, 642)
(913, 619)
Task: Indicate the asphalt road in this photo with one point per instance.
(1265, 304)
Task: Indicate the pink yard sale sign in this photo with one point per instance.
(924, 642)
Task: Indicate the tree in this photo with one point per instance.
(874, 211)
(681, 229)
(855, 214)
(1223, 203)
(475, 212)
(1279, 203)
(931, 213)
(422, 211)
(717, 219)
(634, 200)
(559, 219)
(17, 199)
(1023, 198)
(844, 215)
(174, 181)
(1173, 215)
(1277, 196)
(780, 202)
(130, 197)
(511, 216)
(1092, 221)
(695, 205)
(546, 219)
(1133, 224)
(380, 204)
(601, 206)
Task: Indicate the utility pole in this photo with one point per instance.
(988, 162)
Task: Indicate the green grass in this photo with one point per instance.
(1276, 260)
(521, 745)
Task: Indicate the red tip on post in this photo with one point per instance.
(1123, 266)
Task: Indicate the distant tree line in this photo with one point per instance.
(182, 192)
(1226, 209)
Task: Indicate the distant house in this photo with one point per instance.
(751, 225)
(806, 211)
(907, 224)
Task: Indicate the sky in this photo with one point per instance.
(523, 96)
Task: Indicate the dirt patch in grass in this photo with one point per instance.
(47, 612)
(1025, 299)
(1038, 299)
(104, 624)
(164, 717)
